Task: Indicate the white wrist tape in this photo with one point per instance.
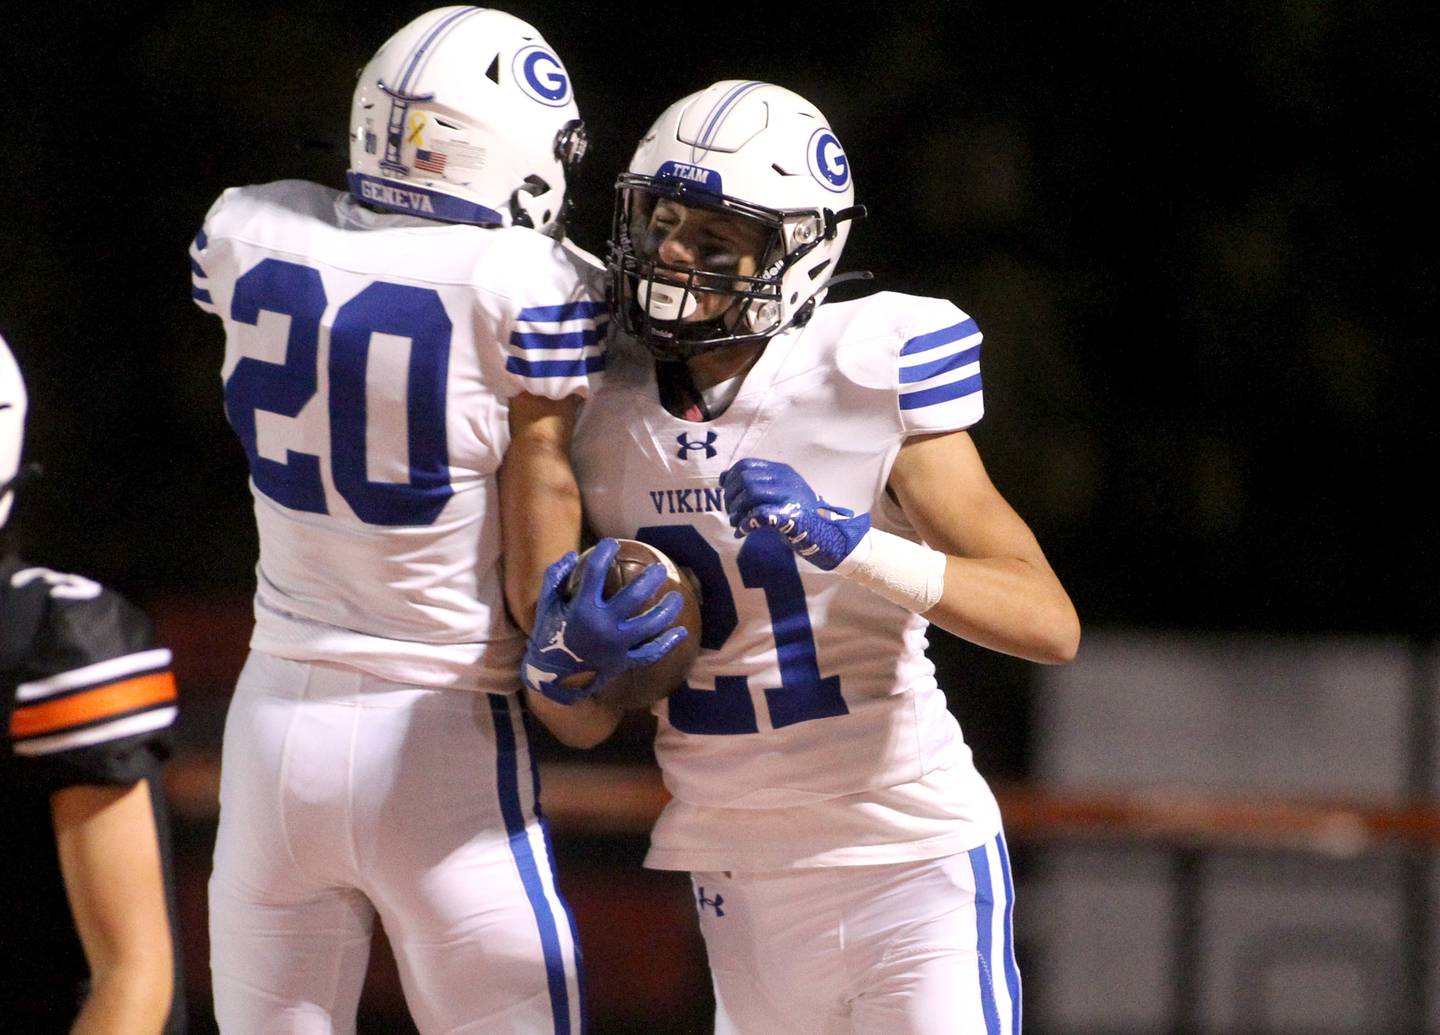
(905, 573)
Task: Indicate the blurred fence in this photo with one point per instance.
(1222, 835)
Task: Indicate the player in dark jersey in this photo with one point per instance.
(87, 926)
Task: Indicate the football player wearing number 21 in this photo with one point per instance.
(810, 464)
(385, 350)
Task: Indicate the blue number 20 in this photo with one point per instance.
(292, 290)
(766, 564)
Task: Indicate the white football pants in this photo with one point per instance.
(919, 948)
(344, 797)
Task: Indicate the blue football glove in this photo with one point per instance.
(761, 494)
(591, 634)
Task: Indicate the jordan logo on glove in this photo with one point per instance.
(581, 643)
(557, 642)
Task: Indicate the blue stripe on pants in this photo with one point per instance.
(508, 785)
(1012, 972)
(984, 921)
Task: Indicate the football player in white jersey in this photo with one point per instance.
(810, 464)
(385, 350)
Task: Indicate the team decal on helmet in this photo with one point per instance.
(756, 151)
(540, 74)
(466, 115)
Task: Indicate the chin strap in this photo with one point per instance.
(533, 186)
(833, 219)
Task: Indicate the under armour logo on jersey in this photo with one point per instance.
(557, 642)
(707, 444)
(714, 903)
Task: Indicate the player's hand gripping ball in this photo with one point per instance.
(642, 686)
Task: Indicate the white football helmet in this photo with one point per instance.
(754, 150)
(466, 115)
(12, 427)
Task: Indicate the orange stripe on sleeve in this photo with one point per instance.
(99, 703)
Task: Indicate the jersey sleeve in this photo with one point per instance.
(939, 369)
(97, 702)
(201, 292)
(554, 325)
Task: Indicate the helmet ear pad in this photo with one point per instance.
(431, 136)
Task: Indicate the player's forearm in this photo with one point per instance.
(131, 997)
(1008, 605)
(539, 498)
(583, 724)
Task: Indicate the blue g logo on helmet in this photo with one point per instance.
(541, 75)
(827, 161)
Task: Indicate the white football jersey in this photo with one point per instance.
(369, 358)
(810, 692)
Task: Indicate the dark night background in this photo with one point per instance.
(1191, 232)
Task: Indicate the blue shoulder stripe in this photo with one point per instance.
(940, 393)
(925, 371)
(561, 340)
(935, 339)
(201, 241)
(555, 367)
(565, 311)
(197, 269)
(201, 295)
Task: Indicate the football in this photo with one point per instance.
(642, 687)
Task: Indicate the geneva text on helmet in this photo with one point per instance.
(466, 115)
(757, 152)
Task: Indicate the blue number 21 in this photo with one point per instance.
(766, 564)
(292, 290)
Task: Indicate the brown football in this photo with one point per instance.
(642, 687)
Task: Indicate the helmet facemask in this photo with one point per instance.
(657, 300)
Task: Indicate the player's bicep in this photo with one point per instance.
(943, 487)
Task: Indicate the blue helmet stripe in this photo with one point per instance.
(717, 116)
(940, 393)
(507, 778)
(440, 29)
(925, 371)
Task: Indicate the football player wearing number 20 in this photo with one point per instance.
(403, 363)
(810, 464)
